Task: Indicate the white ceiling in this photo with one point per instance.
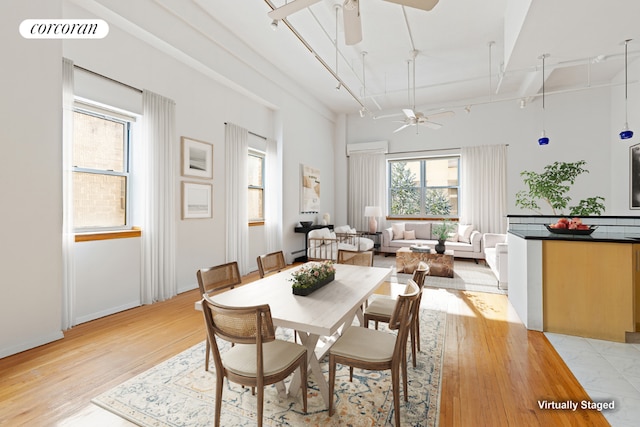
(456, 64)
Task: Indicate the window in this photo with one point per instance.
(427, 187)
(256, 186)
(101, 171)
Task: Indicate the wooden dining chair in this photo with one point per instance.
(271, 263)
(377, 350)
(355, 258)
(381, 308)
(258, 359)
(214, 279)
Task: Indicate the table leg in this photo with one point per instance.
(313, 365)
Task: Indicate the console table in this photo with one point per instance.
(306, 231)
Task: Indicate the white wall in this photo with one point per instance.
(578, 124)
(107, 277)
(233, 84)
(31, 178)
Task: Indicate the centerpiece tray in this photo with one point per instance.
(416, 248)
(586, 232)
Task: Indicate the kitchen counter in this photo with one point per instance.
(596, 236)
(583, 285)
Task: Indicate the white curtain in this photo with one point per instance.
(273, 197)
(237, 229)
(158, 204)
(68, 236)
(367, 187)
(484, 188)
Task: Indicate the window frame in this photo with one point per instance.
(423, 186)
(262, 155)
(106, 113)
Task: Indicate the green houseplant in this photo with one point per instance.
(552, 185)
(312, 276)
(441, 231)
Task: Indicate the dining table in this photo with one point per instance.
(318, 318)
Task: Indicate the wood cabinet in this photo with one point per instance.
(591, 289)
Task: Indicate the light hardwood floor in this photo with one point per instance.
(494, 373)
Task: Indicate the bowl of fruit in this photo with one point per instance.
(571, 226)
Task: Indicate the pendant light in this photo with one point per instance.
(626, 133)
(544, 139)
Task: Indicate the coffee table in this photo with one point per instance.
(439, 264)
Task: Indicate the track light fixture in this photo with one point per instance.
(338, 86)
(523, 103)
(350, 4)
(543, 140)
(362, 112)
(274, 24)
(626, 133)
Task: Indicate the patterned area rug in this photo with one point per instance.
(179, 392)
(467, 276)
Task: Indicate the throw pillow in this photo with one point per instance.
(464, 232)
(409, 235)
(453, 237)
(398, 231)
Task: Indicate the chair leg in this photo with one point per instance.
(403, 365)
(218, 404)
(413, 345)
(303, 382)
(332, 380)
(418, 331)
(260, 404)
(395, 385)
(206, 356)
(350, 374)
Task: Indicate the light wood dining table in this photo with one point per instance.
(319, 317)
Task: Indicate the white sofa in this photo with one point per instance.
(466, 242)
(323, 244)
(496, 256)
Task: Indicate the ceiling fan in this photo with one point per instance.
(413, 118)
(418, 118)
(351, 13)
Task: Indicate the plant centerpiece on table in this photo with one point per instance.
(552, 186)
(312, 276)
(442, 231)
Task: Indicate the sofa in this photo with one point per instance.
(465, 242)
(324, 244)
(496, 256)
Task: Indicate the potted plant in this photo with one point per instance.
(552, 186)
(441, 232)
(312, 276)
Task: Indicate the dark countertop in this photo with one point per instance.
(596, 236)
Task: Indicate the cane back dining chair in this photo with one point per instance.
(381, 309)
(271, 263)
(355, 258)
(216, 278)
(378, 350)
(257, 358)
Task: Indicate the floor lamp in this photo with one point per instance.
(372, 212)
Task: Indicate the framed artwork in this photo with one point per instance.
(197, 158)
(196, 200)
(309, 190)
(634, 176)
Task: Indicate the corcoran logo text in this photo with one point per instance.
(64, 29)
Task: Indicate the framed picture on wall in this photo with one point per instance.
(196, 200)
(634, 176)
(309, 190)
(197, 158)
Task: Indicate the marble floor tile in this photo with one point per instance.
(607, 371)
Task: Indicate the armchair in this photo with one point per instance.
(496, 256)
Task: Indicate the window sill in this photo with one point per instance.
(108, 235)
